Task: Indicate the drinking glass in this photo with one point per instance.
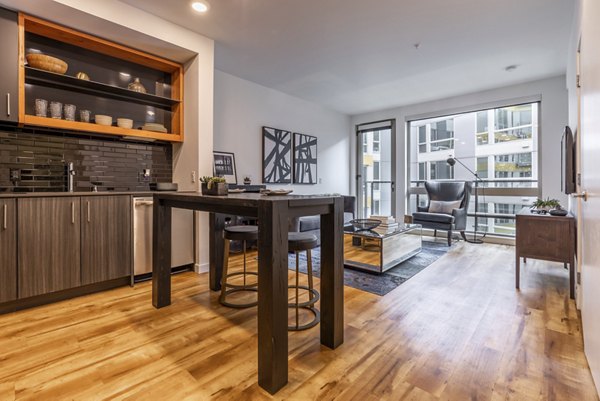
(69, 112)
(56, 110)
(41, 107)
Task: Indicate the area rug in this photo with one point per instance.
(380, 284)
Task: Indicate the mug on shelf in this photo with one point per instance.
(69, 110)
(41, 108)
(56, 110)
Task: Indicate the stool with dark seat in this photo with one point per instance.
(244, 234)
(298, 242)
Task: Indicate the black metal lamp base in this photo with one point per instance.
(474, 239)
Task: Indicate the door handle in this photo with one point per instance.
(8, 104)
(72, 212)
(88, 211)
(583, 195)
(5, 218)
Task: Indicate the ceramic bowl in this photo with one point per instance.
(103, 120)
(125, 123)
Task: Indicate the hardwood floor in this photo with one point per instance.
(456, 331)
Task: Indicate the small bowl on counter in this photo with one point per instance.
(125, 123)
(103, 120)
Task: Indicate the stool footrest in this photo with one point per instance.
(310, 302)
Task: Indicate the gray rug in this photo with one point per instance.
(380, 284)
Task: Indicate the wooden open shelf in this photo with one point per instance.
(50, 79)
(100, 48)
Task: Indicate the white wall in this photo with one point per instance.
(554, 116)
(242, 108)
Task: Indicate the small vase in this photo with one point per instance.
(136, 86)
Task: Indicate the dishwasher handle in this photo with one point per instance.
(143, 203)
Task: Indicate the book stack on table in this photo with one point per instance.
(388, 224)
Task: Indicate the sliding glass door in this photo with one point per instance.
(375, 179)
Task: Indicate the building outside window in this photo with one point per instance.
(499, 144)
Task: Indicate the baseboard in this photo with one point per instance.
(489, 239)
(201, 268)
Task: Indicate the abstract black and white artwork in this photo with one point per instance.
(277, 156)
(305, 159)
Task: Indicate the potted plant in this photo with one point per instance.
(213, 186)
(544, 206)
(247, 180)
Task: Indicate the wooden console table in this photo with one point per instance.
(546, 237)
(273, 214)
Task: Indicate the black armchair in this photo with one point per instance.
(447, 207)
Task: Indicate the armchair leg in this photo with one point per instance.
(449, 237)
(434, 233)
(462, 234)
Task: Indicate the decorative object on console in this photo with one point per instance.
(224, 166)
(214, 186)
(277, 156)
(82, 75)
(46, 63)
(276, 192)
(136, 86)
(305, 159)
(247, 180)
(541, 206)
(559, 211)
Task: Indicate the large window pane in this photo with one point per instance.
(514, 116)
(441, 171)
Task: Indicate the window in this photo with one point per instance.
(441, 171)
(375, 171)
(376, 142)
(365, 144)
(499, 144)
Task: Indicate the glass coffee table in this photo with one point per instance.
(377, 250)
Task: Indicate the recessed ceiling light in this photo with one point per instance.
(200, 6)
(510, 68)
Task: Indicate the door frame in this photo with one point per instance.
(390, 124)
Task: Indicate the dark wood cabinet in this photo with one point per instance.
(105, 238)
(49, 250)
(546, 237)
(9, 65)
(8, 250)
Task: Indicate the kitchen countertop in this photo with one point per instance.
(87, 193)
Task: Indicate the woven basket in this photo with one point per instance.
(47, 63)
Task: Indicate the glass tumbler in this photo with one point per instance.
(84, 116)
(56, 110)
(41, 107)
(69, 110)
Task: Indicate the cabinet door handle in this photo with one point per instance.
(88, 211)
(72, 212)
(5, 218)
(8, 104)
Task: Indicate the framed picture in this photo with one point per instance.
(305, 159)
(277, 156)
(224, 166)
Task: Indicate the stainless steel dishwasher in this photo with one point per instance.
(182, 251)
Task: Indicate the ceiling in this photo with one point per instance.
(358, 56)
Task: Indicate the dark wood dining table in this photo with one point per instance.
(273, 214)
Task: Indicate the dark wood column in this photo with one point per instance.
(215, 240)
(272, 294)
(332, 275)
(161, 254)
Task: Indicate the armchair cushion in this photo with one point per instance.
(433, 217)
(443, 206)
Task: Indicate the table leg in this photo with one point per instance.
(272, 294)
(161, 255)
(518, 272)
(572, 268)
(216, 247)
(332, 275)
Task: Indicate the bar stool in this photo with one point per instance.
(298, 242)
(244, 234)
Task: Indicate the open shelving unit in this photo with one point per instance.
(106, 93)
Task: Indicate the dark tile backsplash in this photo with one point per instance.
(39, 157)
